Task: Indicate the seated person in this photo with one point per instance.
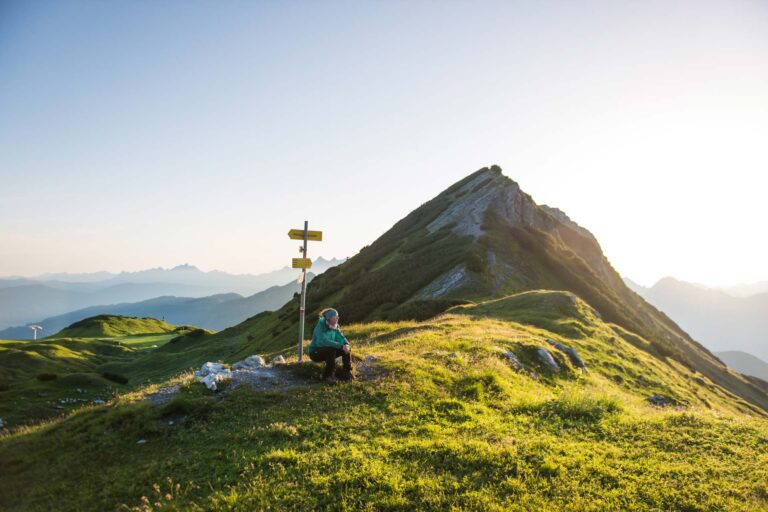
(328, 343)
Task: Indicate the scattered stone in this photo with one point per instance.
(513, 360)
(209, 368)
(170, 422)
(141, 441)
(278, 360)
(575, 358)
(371, 358)
(659, 400)
(211, 373)
(249, 363)
(452, 354)
(546, 357)
(99, 402)
(571, 352)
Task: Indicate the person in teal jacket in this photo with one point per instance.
(328, 343)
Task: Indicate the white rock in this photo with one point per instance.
(278, 360)
(99, 402)
(211, 379)
(141, 441)
(371, 358)
(254, 361)
(249, 363)
(209, 368)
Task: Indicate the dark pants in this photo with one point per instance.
(329, 355)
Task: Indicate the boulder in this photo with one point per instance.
(371, 358)
(575, 358)
(249, 363)
(211, 373)
(513, 361)
(658, 400)
(209, 368)
(546, 357)
(212, 379)
(571, 352)
(277, 360)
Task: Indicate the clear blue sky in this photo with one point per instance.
(137, 134)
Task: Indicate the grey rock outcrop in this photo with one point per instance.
(658, 400)
(546, 357)
(513, 361)
(570, 352)
(249, 363)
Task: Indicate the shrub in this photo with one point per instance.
(46, 376)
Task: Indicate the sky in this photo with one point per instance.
(138, 134)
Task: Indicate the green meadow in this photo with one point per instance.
(439, 421)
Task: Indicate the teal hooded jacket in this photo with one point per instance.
(324, 336)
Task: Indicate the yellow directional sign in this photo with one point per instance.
(301, 263)
(298, 234)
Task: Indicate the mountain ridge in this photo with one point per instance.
(484, 238)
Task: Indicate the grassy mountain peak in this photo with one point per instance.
(485, 238)
(108, 326)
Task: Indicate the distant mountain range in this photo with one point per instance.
(746, 290)
(720, 321)
(745, 363)
(26, 300)
(214, 312)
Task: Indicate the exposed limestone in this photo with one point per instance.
(571, 352)
(513, 361)
(546, 357)
(489, 189)
(451, 280)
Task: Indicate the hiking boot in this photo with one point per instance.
(330, 380)
(347, 376)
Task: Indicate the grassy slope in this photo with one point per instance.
(441, 431)
(382, 281)
(37, 375)
(108, 326)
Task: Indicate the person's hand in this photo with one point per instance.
(345, 348)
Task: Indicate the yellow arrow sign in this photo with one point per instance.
(301, 263)
(298, 234)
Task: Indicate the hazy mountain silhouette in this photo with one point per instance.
(214, 312)
(720, 321)
(25, 300)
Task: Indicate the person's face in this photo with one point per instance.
(334, 320)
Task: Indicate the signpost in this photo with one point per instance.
(303, 263)
(298, 234)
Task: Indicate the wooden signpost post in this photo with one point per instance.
(303, 263)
